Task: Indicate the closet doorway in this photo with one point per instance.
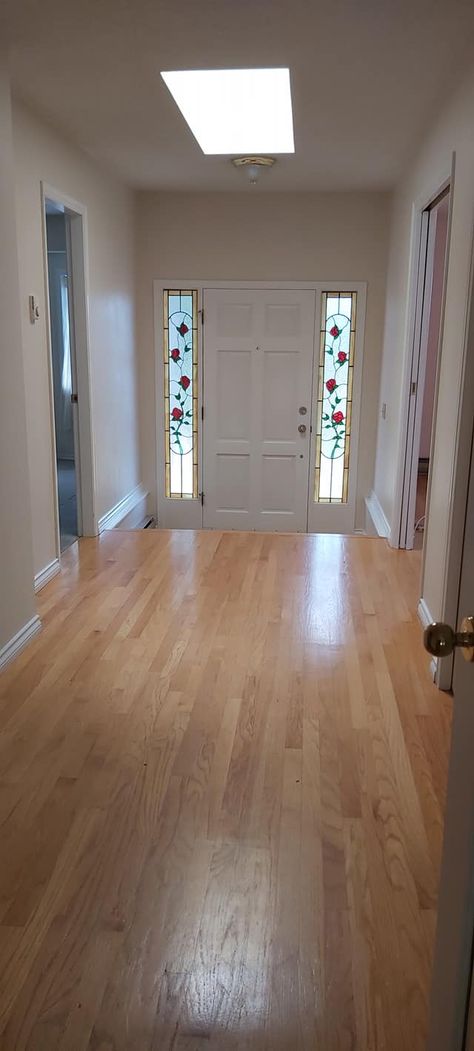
(430, 289)
(63, 366)
(64, 225)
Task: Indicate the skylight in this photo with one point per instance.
(236, 110)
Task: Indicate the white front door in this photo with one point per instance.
(258, 365)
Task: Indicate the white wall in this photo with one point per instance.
(264, 236)
(451, 132)
(16, 561)
(41, 154)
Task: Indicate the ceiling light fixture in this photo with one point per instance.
(253, 166)
(236, 110)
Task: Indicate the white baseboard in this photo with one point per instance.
(425, 618)
(377, 514)
(19, 641)
(434, 673)
(123, 508)
(424, 615)
(45, 575)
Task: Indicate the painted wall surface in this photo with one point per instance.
(17, 605)
(451, 132)
(264, 237)
(40, 154)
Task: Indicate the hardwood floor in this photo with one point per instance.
(222, 773)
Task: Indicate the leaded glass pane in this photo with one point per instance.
(334, 412)
(181, 393)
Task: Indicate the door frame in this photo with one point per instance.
(195, 516)
(77, 243)
(417, 379)
(417, 311)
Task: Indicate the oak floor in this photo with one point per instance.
(222, 781)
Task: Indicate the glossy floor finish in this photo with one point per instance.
(222, 770)
(67, 502)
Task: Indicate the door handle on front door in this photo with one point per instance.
(441, 640)
(302, 428)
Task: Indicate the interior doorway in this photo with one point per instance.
(65, 257)
(63, 368)
(429, 298)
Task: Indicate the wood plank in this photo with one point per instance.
(221, 800)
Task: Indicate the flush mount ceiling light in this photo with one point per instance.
(253, 166)
(236, 110)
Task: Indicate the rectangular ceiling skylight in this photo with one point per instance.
(236, 110)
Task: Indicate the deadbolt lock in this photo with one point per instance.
(302, 410)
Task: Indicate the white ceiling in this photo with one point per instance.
(367, 77)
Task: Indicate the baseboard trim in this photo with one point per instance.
(19, 641)
(115, 515)
(45, 575)
(377, 514)
(440, 671)
(424, 615)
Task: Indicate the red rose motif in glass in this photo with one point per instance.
(342, 356)
(177, 414)
(334, 331)
(184, 382)
(174, 354)
(182, 329)
(338, 416)
(331, 385)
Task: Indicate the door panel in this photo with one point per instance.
(234, 372)
(233, 482)
(278, 484)
(455, 931)
(279, 396)
(258, 359)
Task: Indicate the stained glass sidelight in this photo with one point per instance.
(181, 393)
(334, 411)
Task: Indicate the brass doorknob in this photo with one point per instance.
(441, 640)
(302, 428)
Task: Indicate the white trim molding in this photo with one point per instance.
(425, 618)
(45, 575)
(19, 641)
(424, 615)
(377, 514)
(122, 508)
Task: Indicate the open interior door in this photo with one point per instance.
(452, 1005)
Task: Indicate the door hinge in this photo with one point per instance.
(202, 315)
(202, 499)
(413, 387)
(202, 412)
(74, 399)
